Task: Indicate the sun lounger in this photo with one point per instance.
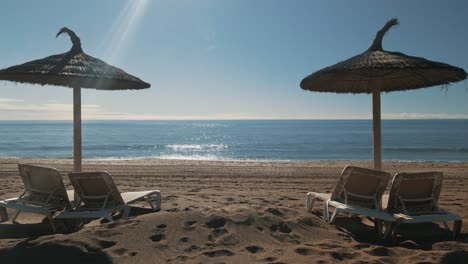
(414, 198)
(44, 193)
(98, 197)
(358, 191)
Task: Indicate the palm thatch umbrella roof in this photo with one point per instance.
(379, 69)
(375, 71)
(73, 69)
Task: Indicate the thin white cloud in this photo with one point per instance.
(43, 107)
(9, 100)
(424, 116)
(13, 109)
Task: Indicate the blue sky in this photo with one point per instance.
(242, 59)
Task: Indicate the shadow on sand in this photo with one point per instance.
(43, 245)
(412, 236)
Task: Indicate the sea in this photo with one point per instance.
(290, 140)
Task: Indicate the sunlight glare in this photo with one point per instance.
(119, 36)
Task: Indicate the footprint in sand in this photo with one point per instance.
(254, 249)
(305, 251)
(228, 240)
(274, 211)
(189, 223)
(218, 253)
(124, 252)
(269, 259)
(328, 245)
(192, 248)
(217, 233)
(184, 239)
(381, 252)
(159, 233)
(343, 255)
(181, 258)
(103, 244)
(157, 237)
(216, 222)
(281, 227)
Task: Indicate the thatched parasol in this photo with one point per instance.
(375, 71)
(77, 70)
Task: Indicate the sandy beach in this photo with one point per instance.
(230, 212)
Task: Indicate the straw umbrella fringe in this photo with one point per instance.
(73, 69)
(375, 71)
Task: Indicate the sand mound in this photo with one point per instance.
(231, 235)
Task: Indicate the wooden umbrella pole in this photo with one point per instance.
(76, 128)
(377, 132)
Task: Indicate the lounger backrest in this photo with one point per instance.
(415, 192)
(96, 190)
(361, 187)
(44, 186)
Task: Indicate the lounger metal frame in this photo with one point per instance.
(400, 207)
(387, 223)
(25, 203)
(107, 210)
(375, 209)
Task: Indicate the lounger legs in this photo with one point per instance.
(325, 211)
(51, 221)
(157, 206)
(310, 199)
(16, 215)
(383, 228)
(3, 214)
(378, 227)
(457, 225)
(126, 211)
(446, 226)
(4, 217)
(110, 218)
(333, 217)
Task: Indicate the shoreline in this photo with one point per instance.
(157, 159)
